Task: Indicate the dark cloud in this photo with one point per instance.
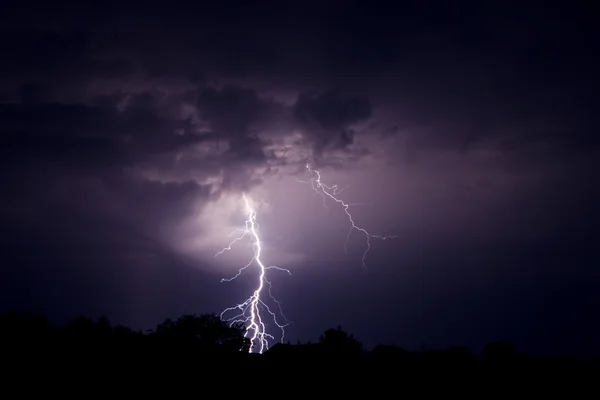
(232, 114)
(79, 134)
(328, 117)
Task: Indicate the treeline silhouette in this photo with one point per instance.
(206, 344)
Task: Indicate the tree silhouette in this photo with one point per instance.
(338, 340)
(498, 353)
(390, 352)
(30, 343)
(205, 332)
(24, 329)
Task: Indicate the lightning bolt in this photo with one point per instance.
(332, 192)
(254, 311)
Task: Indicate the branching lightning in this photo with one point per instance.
(332, 192)
(254, 311)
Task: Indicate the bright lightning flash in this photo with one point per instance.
(332, 192)
(253, 312)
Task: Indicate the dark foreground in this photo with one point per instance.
(104, 366)
(200, 357)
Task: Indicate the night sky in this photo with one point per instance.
(128, 135)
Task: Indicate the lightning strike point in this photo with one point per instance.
(254, 311)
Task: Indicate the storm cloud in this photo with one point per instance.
(128, 136)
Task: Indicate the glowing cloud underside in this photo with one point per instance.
(254, 312)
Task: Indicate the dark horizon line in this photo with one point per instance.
(104, 319)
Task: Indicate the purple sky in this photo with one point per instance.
(129, 135)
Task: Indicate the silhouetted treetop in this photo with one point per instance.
(498, 352)
(85, 328)
(30, 339)
(207, 332)
(24, 326)
(339, 340)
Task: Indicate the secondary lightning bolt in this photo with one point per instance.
(332, 192)
(251, 311)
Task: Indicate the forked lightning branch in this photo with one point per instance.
(262, 310)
